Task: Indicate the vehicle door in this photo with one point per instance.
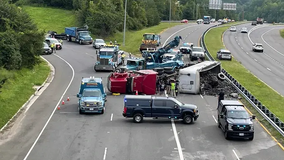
(173, 108)
(223, 120)
(159, 108)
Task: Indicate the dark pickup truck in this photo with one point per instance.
(140, 106)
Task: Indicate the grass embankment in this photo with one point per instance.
(272, 100)
(18, 89)
(57, 19)
(282, 33)
(51, 18)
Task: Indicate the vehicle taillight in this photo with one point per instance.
(124, 110)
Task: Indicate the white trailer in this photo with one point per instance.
(189, 78)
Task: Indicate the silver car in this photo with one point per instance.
(257, 47)
(98, 43)
(233, 29)
(224, 54)
(197, 52)
(244, 30)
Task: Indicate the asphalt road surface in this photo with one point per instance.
(267, 66)
(70, 136)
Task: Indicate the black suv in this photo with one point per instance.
(253, 23)
(234, 120)
(138, 107)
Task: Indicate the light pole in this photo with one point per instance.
(124, 23)
(170, 16)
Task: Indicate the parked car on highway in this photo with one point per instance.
(233, 29)
(244, 30)
(186, 48)
(46, 49)
(50, 41)
(139, 107)
(234, 120)
(224, 54)
(99, 43)
(197, 52)
(257, 47)
(253, 23)
(184, 21)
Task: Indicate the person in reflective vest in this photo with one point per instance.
(61, 41)
(173, 89)
(53, 47)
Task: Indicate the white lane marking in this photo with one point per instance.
(242, 48)
(239, 44)
(247, 53)
(73, 75)
(255, 60)
(177, 140)
(105, 154)
(236, 154)
(214, 118)
(111, 116)
(268, 69)
(269, 44)
(177, 148)
(201, 96)
(176, 33)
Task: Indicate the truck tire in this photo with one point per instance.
(68, 39)
(221, 76)
(103, 111)
(187, 119)
(80, 111)
(80, 42)
(251, 138)
(138, 118)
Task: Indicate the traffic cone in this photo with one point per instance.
(136, 92)
(68, 99)
(63, 102)
(58, 107)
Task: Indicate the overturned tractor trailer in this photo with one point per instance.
(190, 78)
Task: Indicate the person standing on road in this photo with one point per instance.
(173, 89)
(176, 88)
(54, 47)
(61, 41)
(122, 58)
(220, 96)
(130, 55)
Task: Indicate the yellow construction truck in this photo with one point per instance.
(150, 41)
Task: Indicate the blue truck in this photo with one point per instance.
(108, 59)
(79, 35)
(92, 96)
(156, 59)
(206, 19)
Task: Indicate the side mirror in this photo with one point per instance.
(78, 95)
(221, 116)
(176, 106)
(253, 117)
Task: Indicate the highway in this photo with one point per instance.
(267, 66)
(42, 134)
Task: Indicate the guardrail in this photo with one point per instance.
(262, 110)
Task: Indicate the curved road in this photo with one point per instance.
(70, 136)
(267, 66)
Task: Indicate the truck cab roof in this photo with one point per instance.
(231, 103)
(91, 83)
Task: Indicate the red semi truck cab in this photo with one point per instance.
(143, 81)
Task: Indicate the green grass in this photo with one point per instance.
(272, 100)
(133, 39)
(51, 18)
(18, 89)
(282, 33)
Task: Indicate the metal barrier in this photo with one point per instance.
(269, 116)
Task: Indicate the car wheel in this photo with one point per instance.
(187, 119)
(138, 118)
(80, 111)
(219, 124)
(226, 135)
(103, 111)
(251, 138)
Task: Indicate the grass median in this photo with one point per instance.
(282, 33)
(18, 89)
(272, 100)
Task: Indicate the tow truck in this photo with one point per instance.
(155, 59)
(92, 96)
(108, 59)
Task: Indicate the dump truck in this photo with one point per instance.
(79, 35)
(150, 41)
(259, 20)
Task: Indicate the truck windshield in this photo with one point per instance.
(106, 53)
(84, 34)
(92, 93)
(197, 49)
(238, 114)
(131, 63)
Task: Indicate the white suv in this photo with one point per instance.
(197, 52)
(224, 54)
(257, 47)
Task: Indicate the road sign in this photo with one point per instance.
(229, 6)
(215, 4)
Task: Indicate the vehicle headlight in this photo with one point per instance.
(82, 103)
(251, 127)
(100, 103)
(230, 127)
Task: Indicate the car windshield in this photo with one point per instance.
(244, 28)
(45, 45)
(196, 49)
(131, 63)
(233, 27)
(178, 102)
(92, 93)
(53, 40)
(225, 52)
(259, 46)
(100, 41)
(102, 53)
(238, 114)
